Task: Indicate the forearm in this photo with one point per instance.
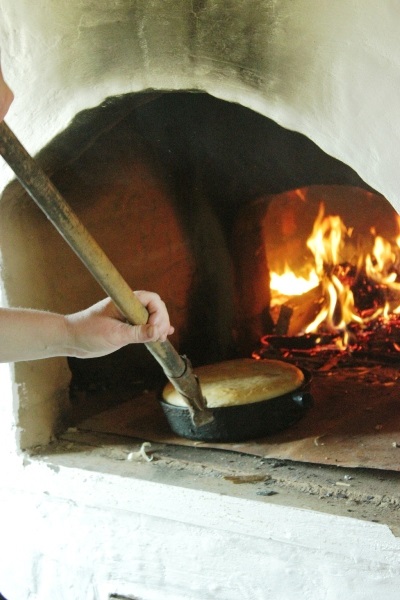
(96, 331)
(31, 335)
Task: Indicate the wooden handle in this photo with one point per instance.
(177, 368)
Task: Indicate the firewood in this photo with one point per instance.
(302, 310)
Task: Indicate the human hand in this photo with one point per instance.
(6, 97)
(102, 329)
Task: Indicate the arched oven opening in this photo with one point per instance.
(203, 201)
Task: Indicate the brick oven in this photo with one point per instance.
(192, 139)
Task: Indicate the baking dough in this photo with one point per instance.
(241, 381)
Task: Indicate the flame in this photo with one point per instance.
(326, 240)
(379, 265)
(289, 284)
(330, 272)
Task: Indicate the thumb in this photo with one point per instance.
(139, 334)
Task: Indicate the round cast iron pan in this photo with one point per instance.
(244, 421)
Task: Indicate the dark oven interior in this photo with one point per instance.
(200, 200)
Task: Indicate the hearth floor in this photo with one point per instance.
(354, 422)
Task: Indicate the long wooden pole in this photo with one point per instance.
(177, 368)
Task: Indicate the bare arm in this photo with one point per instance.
(96, 331)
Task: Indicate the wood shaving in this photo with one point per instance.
(141, 453)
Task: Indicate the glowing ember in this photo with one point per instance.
(374, 280)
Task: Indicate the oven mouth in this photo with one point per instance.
(225, 178)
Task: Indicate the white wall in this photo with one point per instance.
(327, 69)
(68, 534)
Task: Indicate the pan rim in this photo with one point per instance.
(303, 387)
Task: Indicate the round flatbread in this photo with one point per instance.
(241, 381)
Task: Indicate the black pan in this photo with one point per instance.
(244, 421)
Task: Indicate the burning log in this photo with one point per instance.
(298, 312)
